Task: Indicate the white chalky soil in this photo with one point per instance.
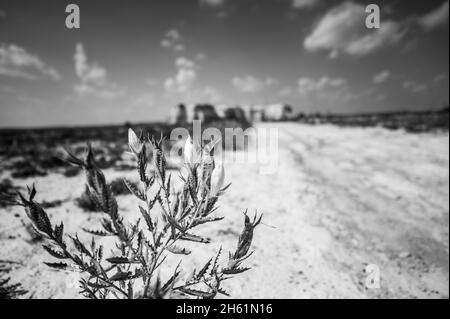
(342, 198)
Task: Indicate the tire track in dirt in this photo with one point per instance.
(387, 224)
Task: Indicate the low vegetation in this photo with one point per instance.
(9, 290)
(414, 122)
(7, 192)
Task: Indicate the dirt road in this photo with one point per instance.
(341, 199)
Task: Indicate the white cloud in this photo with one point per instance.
(381, 77)
(435, 18)
(342, 30)
(184, 78)
(184, 63)
(285, 92)
(144, 100)
(93, 78)
(324, 93)
(173, 34)
(208, 94)
(212, 3)
(251, 84)
(271, 81)
(414, 86)
(302, 4)
(151, 82)
(172, 41)
(388, 33)
(183, 85)
(440, 78)
(307, 85)
(16, 62)
(200, 56)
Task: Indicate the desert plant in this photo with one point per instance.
(131, 271)
(7, 192)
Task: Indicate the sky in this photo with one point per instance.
(134, 60)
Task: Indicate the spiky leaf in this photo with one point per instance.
(55, 253)
(59, 266)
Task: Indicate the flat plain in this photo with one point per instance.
(340, 199)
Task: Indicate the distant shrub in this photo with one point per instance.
(26, 169)
(7, 289)
(118, 187)
(86, 203)
(7, 193)
(105, 162)
(49, 161)
(71, 171)
(51, 204)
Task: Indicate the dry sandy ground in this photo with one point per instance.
(342, 198)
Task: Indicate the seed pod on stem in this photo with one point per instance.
(207, 165)
(159, 160)
(246, 237)
(134, 142)
(217, 179)
(191, 152)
